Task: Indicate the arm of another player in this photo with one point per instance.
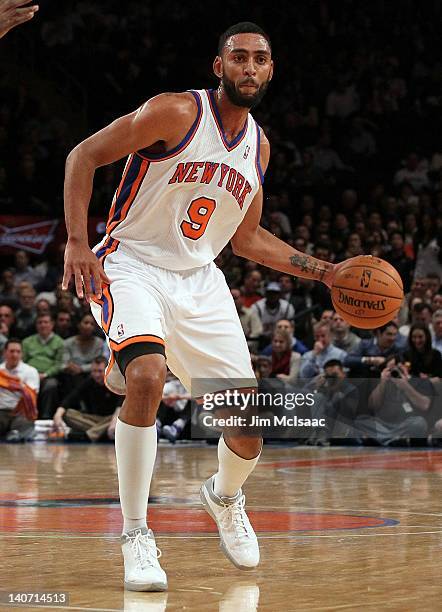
(166, 118)
(254, 242)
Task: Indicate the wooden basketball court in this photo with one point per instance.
(339, 529)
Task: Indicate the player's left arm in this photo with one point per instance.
(254, 242)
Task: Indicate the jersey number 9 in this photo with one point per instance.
(199, 213)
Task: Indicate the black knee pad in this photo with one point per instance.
(125, 356)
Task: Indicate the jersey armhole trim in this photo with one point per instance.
(152, 157)
(258, 155)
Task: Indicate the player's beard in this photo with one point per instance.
(237, 98)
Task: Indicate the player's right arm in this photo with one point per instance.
(166, 118)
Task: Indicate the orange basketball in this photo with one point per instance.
(367, 291)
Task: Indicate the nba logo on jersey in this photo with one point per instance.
(120, 330)
(246, 152)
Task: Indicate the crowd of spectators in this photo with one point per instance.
(353, 116)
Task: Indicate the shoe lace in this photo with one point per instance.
(146, 553)
(233, 515)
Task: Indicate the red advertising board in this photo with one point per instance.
(39, 234)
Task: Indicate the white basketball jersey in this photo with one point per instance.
(179, 209)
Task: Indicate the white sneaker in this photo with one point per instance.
(142, 571)
(238, 540)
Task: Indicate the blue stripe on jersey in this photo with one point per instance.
(258, 154)
(131, 176)
(107, 245)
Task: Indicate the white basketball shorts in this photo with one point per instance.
(190, 312)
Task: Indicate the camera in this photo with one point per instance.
(395, 373)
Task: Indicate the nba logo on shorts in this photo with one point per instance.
(120, 330)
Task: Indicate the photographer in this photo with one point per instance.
(397, 405)
(336, 400)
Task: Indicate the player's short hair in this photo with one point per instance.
(243, 27)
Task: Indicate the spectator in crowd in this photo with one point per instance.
(313, 361)
(66, 301)
(423, 359)
(421, 312)
(343, 99)
(436, 302)
(80, 350)
(437, 330)
(433, 284)
(250, 321)
(63, 324)
(251, 288)
(19, 384)
(23, 271)
(26, 315)
(417, 292)
(397, 406)
(286, 283)
(263, 367)
(327, 316)
(7, 321)
(398, 258)
(272, 308)
(414, 173)
(285, 362)
(288, 327)
(174, 412)
(8, 289)
(90, 409)
(42, 307)
(44, 351)
(374, 352)
(341, 335)
(336, 400)
(427, 246)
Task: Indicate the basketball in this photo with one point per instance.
(367, 292)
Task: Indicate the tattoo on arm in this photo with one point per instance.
(305, 263)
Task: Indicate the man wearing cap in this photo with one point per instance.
(272, 308)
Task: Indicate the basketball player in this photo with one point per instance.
(192, 183)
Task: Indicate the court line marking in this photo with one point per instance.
(282, 536)
(328, 509)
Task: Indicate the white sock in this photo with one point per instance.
(136, 449)
(233, 471)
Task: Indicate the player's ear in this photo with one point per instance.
(218, 66)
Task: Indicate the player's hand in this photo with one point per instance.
(81, 262)
(12, 15)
